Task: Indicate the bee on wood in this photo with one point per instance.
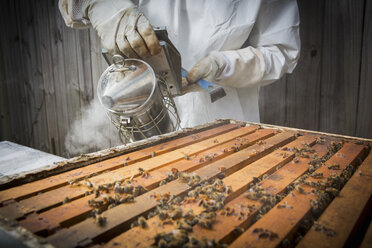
(284, 205)
(74, 182)
(88, 183)
(162, 182)
(127, 198)
(229, 211)
(335, 166)
(205, 223)
(145, 174)
(142, 222)
(137, 190)
(174, 171)
(296, 160)
(87, 193)
(193, 193)
(322, 184)
(215, 141)
(125, 163)
(238, 230)
(319, 140)
(332, 191)
(96, 193)
(111, 205)
(187, 157)
(176, 214)
(256, 180)
(183, 225)
(300, 189)
(311, 183)
(184, 177)
(317, 175)
(265, 233)
(327, 231)
(207, 157)
(163, 215)
(134, 224)
(95, 212)
(153, 154)
(66, 200)
(100, 220)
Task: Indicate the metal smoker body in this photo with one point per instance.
(138, 94)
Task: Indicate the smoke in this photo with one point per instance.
(91, 131)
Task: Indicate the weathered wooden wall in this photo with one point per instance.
(331, 88)
(48, 73)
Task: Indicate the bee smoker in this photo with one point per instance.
(138, 94)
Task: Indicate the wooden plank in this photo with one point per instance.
(343, 214)
(119, 217)
(52, 182)
(301, 207)
(67, 214)
(273, 104)
(57, 196)
(36, 81)
(364, 117)
(5, 120)
(56, 24)
(224, 228)
(14, 71)
(303, 85)
(265, 165)
(367, 240)
(342, 36)
(42, 23)
(71, 78)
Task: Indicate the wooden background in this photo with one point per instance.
(48, 73)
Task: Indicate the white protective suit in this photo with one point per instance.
(253, 42)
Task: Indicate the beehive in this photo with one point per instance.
(228, 183)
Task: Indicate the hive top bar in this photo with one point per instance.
(228, 183)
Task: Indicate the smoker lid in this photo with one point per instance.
(126, 86)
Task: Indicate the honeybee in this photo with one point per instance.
(183, 225)
(176, 213)
(100, 220)
(335, 166)
(142, 222)
(300, 189)
(66, 200)
(205, 223)
(317, 175)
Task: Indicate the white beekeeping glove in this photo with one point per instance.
(122, 27)
(238, 68)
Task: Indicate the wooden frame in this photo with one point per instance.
(254, 159)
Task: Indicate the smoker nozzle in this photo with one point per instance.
(107, 101)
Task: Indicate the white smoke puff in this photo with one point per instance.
(92, 131)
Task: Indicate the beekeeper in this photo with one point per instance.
(240, 45)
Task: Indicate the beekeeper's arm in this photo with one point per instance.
(119, 24)
(274, 47)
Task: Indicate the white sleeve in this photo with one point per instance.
(276, 36)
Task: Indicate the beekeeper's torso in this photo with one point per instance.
(256, 40)
(197, 27)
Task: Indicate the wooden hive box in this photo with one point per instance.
(227, 183)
